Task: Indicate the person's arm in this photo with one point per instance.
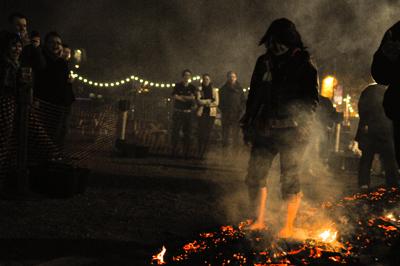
(258, 90)
(309, 86)
(385, 68)
(199, 101)
(192, 95)
(215, 103)
(362, 111)
(176, 96)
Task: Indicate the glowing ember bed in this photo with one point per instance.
(359, 230)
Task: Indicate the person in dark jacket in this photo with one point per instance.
(10, 82)
(385, 70)
(11, 47)
(326, 116)
(232, 101)
(375, 136)
(279, 113)
(51, 80)
(52, 86)
(184, 97)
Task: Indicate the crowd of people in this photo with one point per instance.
(203, 103)
(277, 118)
(42, 66)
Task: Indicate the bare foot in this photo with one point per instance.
(285, 232)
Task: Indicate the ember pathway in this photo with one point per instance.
(134, 206)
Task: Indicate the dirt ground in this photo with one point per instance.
(134, 206)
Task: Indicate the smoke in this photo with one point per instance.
(157, 39)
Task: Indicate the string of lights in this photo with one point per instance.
(132, 78)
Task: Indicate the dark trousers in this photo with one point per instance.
(387, 155)
(181, 121)
(230, 133)
(205, 126)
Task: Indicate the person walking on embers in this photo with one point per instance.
(231, 105)
(207, 99)
(375, 135)
(279, 113)
(184, 98)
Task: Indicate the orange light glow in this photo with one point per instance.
(328, 236)
(328, 86)
(159, 258)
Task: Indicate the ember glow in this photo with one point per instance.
(372, 217)
(159, 258)
(328, 236)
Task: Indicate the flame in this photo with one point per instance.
(391, 217)
(328, 236)
(159, 258)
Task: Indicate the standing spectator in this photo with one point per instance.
(31, 53)
(64, 125)
(385, 70)
(52, 79)
(66, 53)
(232, 101)
(326, 116)
(51, 82)
(375, 136)
(35, 38)
(11, 47)
(184, 97)
(207, 101)
(19, 25)
(279, 114)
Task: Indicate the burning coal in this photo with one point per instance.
(358, 223)
(158, 259)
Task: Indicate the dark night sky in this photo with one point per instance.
(157, 39)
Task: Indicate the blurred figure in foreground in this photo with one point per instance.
(232, 102)
(207, 99)
(184, 97)
(375, 136)
(385, 70)
(327, 117)
(279, 114)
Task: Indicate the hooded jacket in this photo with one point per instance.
(283, 88)
(387, 72)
